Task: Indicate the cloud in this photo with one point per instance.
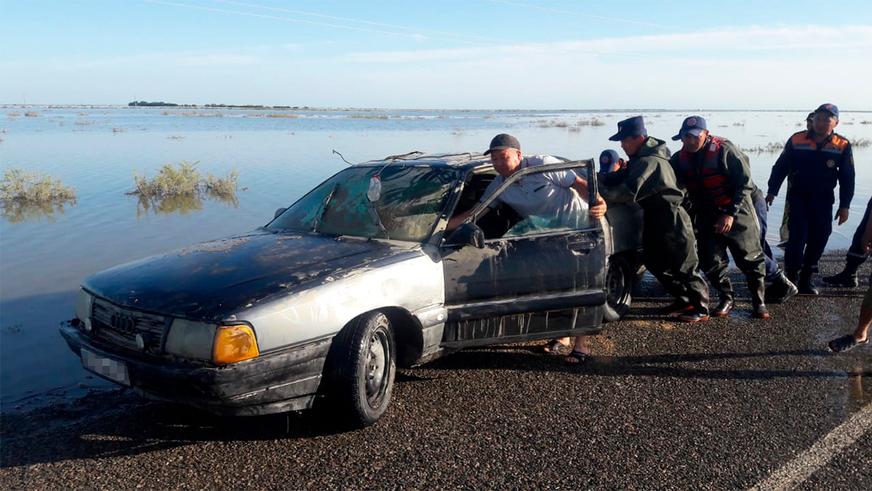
(778, 67)
(734, 42)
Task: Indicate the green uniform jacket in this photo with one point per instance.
(647, 180)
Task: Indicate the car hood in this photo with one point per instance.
(211, 280)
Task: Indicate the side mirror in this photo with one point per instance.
(468, 234)
(279, 212)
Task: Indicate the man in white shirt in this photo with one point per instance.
(547, 194)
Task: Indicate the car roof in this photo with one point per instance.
(463, 161)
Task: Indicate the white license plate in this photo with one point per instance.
(114, 370)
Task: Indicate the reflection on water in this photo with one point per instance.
(858, 392)
(182, 203)
(22, 211)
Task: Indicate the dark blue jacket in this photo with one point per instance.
(813, 170)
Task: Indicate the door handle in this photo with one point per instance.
(582, 246)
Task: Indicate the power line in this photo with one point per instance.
(295, 20)
(361, 21)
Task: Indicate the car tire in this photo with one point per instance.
(361, 367)
(619, 286)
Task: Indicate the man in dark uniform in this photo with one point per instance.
(782, 231)
(856, 256)
(669, 246)
(610, 161)
(717, 177)
(815, 162)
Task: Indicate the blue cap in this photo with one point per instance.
(634, 126)
(829, 108)
(607, 159)
(693, 125)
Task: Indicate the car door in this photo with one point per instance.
(540, 279)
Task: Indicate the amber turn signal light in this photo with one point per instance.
(234, 344)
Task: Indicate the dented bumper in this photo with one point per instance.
(284, 380)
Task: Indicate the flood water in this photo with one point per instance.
(279, 155)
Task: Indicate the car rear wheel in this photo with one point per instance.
(361, 369)
(619, 286)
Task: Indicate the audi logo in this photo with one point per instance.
(122, 322)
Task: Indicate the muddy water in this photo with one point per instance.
(44, 256)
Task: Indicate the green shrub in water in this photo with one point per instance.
(182, 180)
(170, 181)
(33, 188)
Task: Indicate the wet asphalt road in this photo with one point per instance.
(722, 405)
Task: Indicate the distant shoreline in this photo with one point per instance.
(258, 107)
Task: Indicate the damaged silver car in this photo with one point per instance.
(357, 277)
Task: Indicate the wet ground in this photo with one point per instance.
(727, 404)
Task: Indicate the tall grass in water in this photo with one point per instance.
(170, 181)
(28, 195)
(223, 187)
(31, 187)
(181, 188)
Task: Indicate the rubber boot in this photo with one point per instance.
(757, 288)
(781, 289)
(847, 278)
(806, 283)
(724, 306)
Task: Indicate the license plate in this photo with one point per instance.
(114, 370)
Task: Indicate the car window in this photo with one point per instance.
(543, 204)
(406, 207)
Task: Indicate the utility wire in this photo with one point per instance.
(360, 21)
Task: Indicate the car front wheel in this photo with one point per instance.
(619, 286)
(361, 369)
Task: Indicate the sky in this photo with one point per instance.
(447, 54)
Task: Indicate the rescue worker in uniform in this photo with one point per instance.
(669, 246)
(813, 162)
(782, 231)
(856, 256)
(717, 177)
(610, 161)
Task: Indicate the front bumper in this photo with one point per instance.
(285, 380)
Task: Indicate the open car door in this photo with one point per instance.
(541, 278)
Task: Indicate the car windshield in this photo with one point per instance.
(403, 203)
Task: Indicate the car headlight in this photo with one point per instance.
(84, 302)
(191, 339)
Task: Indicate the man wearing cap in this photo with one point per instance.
(610, 162)
(545, 194)
(717, 177)
(782, 230)
(669, 246)
(813, 161)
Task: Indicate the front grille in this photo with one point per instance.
(119, 326)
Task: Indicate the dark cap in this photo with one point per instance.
(503, 141)
(634, 126)
(694, 125)
(607, 159)
(828, 108)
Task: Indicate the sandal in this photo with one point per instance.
(845, 343)
(555, 347)
(576, 358)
